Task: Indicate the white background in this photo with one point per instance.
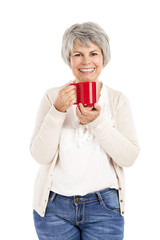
(30, 62)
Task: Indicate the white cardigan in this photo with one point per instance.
(119, 142)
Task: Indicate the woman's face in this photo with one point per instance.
(86, 62)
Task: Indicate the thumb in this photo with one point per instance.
(97, 106)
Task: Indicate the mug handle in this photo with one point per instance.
(76, 87)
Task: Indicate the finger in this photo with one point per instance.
(82, 109)
(71, 93)
(72, 99)
(71, 102)
(69, 88)
(78, 112)
(97, 107)
(67, 85)
(89, 108)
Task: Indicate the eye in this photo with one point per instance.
(94, 54)
(77, 54)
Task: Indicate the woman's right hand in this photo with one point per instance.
(66, 98)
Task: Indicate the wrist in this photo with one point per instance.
(59, 109)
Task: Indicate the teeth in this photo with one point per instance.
(87, 70)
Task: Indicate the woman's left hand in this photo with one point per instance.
(87, 114)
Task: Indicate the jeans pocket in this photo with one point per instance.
(111, 201)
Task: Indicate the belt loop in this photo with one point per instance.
(99, 197)
(52, 196)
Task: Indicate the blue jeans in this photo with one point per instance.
(95, 216)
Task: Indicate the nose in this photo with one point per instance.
(86, 60)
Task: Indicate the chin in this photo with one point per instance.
(88, 80)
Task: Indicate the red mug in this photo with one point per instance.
(86, 93)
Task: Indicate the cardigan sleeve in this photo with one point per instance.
(45, 139)
(119, 142)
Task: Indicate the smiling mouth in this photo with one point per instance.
(86, 70)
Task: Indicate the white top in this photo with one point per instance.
(82, 166)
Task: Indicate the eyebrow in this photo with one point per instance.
(81, 52)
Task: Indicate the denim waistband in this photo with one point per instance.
(98, 195)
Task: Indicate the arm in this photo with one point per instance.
(46, 133)
(120, 142)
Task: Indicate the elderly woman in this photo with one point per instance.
(79, 190)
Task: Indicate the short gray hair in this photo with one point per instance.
(83, 33)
